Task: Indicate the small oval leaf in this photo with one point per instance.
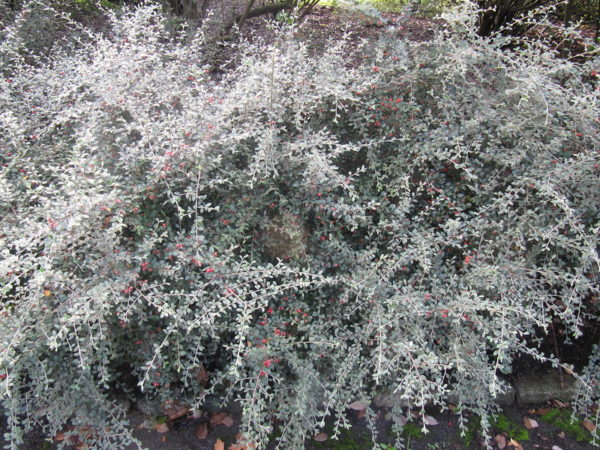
(500, 441)
(429, 420)
(589, 425)
(530, 423)
(161, 427)
(321, 437)
(357, 406)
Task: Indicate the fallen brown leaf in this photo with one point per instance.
(588, 425)
(542, 411)
(515, 444)
(321, 437)
(360, 414)
(561, 435)
(530, 423)
(221, 419)
(202, 376)
(559, 404)
(500, 441)
(161, 427)
(163, 439)
(202, 431)
(357, 406)
(428, 420)
(60, 436)
(219, 445)
(175, 409)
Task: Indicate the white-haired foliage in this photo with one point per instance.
(308, 230)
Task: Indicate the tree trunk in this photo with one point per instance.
(598, 22)
(272, 8)
(568, 13)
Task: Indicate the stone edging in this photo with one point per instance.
(532, 388)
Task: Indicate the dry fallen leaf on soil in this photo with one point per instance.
(221, 419)
(202, 431)
(559, 404)
(163, 439)
(174, 409)
(357, 406)
(360, 414)
(161, 427)
(561, 435)
(321, 437)
(219, 445)
(500, 441)
(430, 420)
(530, 423)
(515, 444)
(542, 411)
(588, 425)
(60, 436)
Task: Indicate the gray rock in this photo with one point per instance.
(507, 398)
(540, 387)
(387, 398)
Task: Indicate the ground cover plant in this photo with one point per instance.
(297, 234)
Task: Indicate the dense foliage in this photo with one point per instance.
(307, 230)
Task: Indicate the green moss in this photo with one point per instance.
(562, 418)
(412, 431)
(514, 430)
(470, 432)
(500, 423)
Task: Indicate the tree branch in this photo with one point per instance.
(250, 13)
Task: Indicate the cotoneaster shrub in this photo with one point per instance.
(309, 231)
